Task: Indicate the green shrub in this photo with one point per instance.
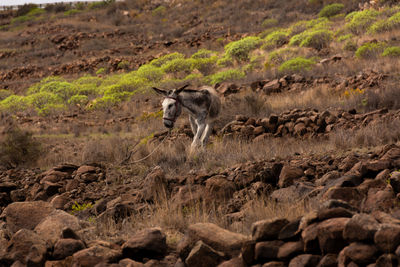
(370, 50)
(97, 5)
(394, 21)
(205, 65)
(19, 148)
(276, 39)
(240, 50)
(298, 27)
(13, 103)
(100, 71)
(31, 15)
(359, 21)
(124, 64)
(331, 10)
(150, 73)
(178, 65)
(379, 26)
(159, 11)
(4, 94)
(345, 37)
(268, 23)
(72, 12)
(350, 45)
(25, 9)
(393, 51)
(279, 56)
(158, 62)
(203, 53)
(78, 100)
(225, 61)
(296, 64)
(51, 109)
(105, 102)
(225, 75)
(317, 39)
(41, 99)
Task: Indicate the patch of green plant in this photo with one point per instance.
(78, 100)
(298, 27)
(203, 53)
(18, 148)
(205, 65)
(379, 26)
(178, 65)
(151, 115)
(275, 39)
(50, 109)
(104, 103)
(226, 75)
(76, 207)
(101, 71)
(102, 4)
(31, 15)
(158, 62)
(240, 49)
(150, 73)
(62, 89)
(123, 65)
(331, 10)
(4, 93)
(225, 61)
(345, 37)
(317, 39)
(14, 103)
(146, 139)
(277, 57)
(268, 23)
(159, 11)
(350, 45)
(393, 51)
(41, 99)
(296, 64)
(72, 12)
(360, 21)
(370, 50)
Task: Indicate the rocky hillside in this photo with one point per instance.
(303, 165)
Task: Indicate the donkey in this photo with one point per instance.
(203, 106)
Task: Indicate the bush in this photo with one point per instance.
(150, 73)
(379, 26)
(226, 75)
(203, 53)
(359, 21)
(240, 50)
(225, 61)
(31, 15)
(19, 148)
(370, 50)
(158, 62)
(78, 100)
(4, 94)
(345, 37)
(178, 65)
(25, 9)
(350, 45)
(13, 103)
(123, 65)
(276, 39)
(205, 65)
(40, 100)
(331, 10)
(318, 39)
(393, 51)
(268, 23)
(104, 103)
(296, 64)
(279, 56)
(72, 12)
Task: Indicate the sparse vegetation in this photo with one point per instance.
(331, 10)
(370, 50)
(296, 64)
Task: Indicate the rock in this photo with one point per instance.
(267, 229)
(324, 214)
(149, 243)
(7, 187)
(60, 201)
(274, 264)
(267, 250)
(26, 215)
(85, 169)
(288, 175)
(219, 188)
(360, 227)
(130, 263)
(203, 255)
(305, 260)
(379, 200)
(292, 193)
(248, 252)
(329, 260)
(66, 247)
(272, 87)
(327, 177)
(96, 254)
(234, 262)
(360, 253)
(350, 195)
(27, 247)
(387, 260)
(330, 235)
(310, 238)
(290, 250)
(290, 230)
(387, 238)
(51, 227)
(155, 185)
(217, 237)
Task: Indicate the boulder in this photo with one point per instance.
(290, 249)
(66, 247)
(360, 253)
(26, 215)
(130, 263)
(155, 185)
(148, 243)
(387, 260)
(96, 254)
(387, 238)
(329, 260)
(267, 250)
(290, 230)
(305, 260)
(360, 227)
(382, 200)
(310, 238)
(267, 229)
(203, 255)
(288, 175)
(330, 235)
(324, 214)
(219, 188)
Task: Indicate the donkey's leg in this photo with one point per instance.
(193, 125)
(200, 129)
(206, 134)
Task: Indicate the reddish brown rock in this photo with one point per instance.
(329, 260)
(310, 238)
(360, 253)
(330, 235)
(267, 250)
(387, 238)
(290, 250)
(130, 263)
(288, 175)
(324, 214)
(382, 200)
(348, 194)
(66, 247)
(149, 243)
(267, 229)
(96, 254)
(305, 260)
(219, 188)
(203, 255)
(155, 185)
(360, 227)
(387, 260)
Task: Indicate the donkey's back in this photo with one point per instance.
(215, 104)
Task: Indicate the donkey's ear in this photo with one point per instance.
(181, 89)
(159, 91)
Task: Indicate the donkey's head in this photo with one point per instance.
(172, 105)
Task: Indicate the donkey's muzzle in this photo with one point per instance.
(168, 124)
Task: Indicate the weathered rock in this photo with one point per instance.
(379, 200)
(290, 230)
(305, 260)
(360, 227)
(267, 250)
(248, 252)
(329, 260)
(7, 187)
(219, 188)
(324, 214)
(203, 255)
(234, 262)
(216, 237)
(387, 238)
(130, 263)
(360, 253)
(27, 247)
(26, 215)
(292, 193)
(267, 229)
(149, 243)
(310, 238)
(66, 247)
(290, 250)
(51, 227)
(60, 201)
(155, 185)
(387, 260)
(288, 175)
(327, 177)
(348, 194)
(330, 235)
(96, 254)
